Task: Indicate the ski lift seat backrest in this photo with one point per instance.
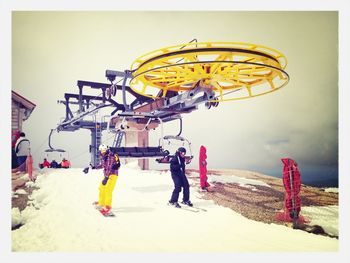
(154, 151)
(120, 151)
(135, 152)
(126, 151)
(139, 151)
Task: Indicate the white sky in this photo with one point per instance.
(51, 51)
(145, 223)
(273, 35)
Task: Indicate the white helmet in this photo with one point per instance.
(103, 148)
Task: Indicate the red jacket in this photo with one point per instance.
(65, 164)
(46, 164)
(15, 137)
(203, 160)
(291, 176)
(203, 167)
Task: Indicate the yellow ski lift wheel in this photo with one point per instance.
(232, 70)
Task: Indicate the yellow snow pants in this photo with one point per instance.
(106, 191)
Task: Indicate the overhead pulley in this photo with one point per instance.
(232, 70)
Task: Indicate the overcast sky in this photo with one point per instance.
(52, 50)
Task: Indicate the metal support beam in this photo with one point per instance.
(187, 99)
(80, 99)
(126, 106)
(95, 142)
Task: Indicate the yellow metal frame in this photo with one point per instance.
(232, 70)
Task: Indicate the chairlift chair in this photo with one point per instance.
(171, 141)
(54, 154)
(140, 152)
(136, 151)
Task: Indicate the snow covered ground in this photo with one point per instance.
(62, 219)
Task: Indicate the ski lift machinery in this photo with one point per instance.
(169, 82)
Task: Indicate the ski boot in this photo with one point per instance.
(175, 204)
(187, 203)
(106, 211)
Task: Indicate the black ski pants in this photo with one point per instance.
(180, 181)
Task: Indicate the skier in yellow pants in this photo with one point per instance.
(106, 191)
(110, 163)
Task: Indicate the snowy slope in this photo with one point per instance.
(62, 219)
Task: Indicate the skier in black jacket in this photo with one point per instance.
(177, 168)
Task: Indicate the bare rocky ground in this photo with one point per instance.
(20, 199)
(262, 203)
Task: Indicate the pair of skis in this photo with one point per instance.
(194, 209)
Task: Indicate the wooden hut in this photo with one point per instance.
(21, 110)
